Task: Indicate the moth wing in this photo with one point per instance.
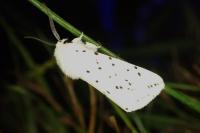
(129, 86)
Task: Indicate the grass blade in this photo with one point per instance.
(125, 118)
(187, 100)
(68, 26)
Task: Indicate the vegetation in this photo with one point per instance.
(37, 97)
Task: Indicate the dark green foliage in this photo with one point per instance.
(37, 97)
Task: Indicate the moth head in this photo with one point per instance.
(62, 42)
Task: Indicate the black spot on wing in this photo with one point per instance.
(152, 85)
(108, 92)
(139, 74)
(135, 67)
(87, 71)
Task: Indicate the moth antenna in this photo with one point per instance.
(53, 29)
(40, 40)
(51, 23)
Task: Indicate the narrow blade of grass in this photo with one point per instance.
(68, 26)
(187, 100)
(30, 125)
(17, 43)
(138, 122)
(22, 50)
(163, 121)
(124, 117)
(184, 86)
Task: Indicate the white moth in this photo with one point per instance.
(127, 85)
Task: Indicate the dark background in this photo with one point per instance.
(160, 35)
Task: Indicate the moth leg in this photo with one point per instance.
(92, 46)
(78, 39)
(87, 44)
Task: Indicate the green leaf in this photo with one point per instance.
(68, 26)
(187, 100)
(124, 117)
(183, 86)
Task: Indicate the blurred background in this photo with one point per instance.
(160, 35)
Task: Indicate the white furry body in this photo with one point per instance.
(129, 86)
